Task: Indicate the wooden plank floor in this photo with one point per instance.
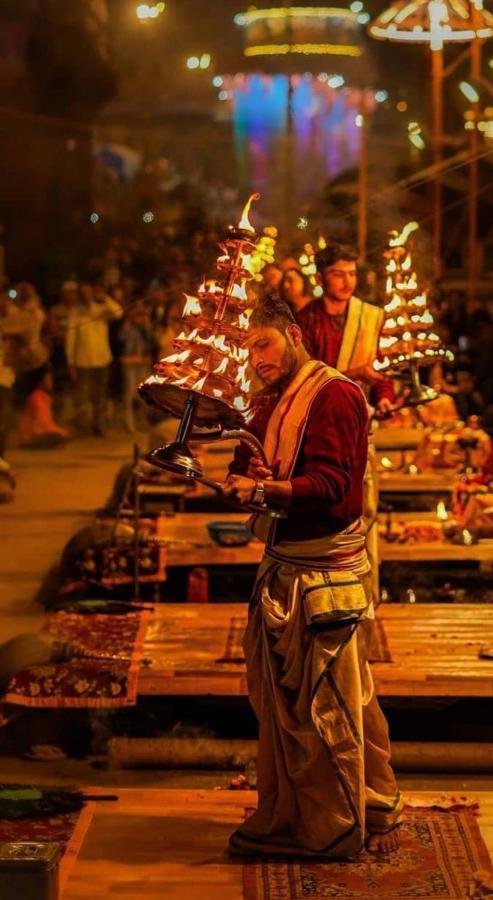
(434, 649)
(189, 543)
(171, 843)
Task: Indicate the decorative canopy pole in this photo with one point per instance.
(434, 22)
(408, 340)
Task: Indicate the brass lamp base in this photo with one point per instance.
(419, 393)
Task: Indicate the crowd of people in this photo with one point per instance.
(72, 368)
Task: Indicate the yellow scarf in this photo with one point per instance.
(287, 425)
(360, 340)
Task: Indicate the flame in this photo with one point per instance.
(217, 392)
(244, 318)
(221, 368)
(384, 364)
(386, 462)
(199, 362)
(467, 537)
(395, 303)
(177, 357)
(199, 384)
(441, 511)
(182, 381)
(192, 306)
(387, 342)
(244, 222)
(401, 239)
(239, 354)
(406, 264)
(389, 285)
(239, 292)
(220, 343)
(240, 403)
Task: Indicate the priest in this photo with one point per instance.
(324, 777)
(342, 330)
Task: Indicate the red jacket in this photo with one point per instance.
(328, 476)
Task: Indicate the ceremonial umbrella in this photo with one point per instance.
(437, 22)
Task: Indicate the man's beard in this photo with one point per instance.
(287, 369)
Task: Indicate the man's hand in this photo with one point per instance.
(383, 408)
(240, 488)
(260, 472)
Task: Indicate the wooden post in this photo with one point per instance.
(363, 180)
(473, 173)
(437, 109)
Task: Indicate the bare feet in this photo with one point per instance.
(383, 843)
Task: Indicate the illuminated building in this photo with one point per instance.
(296, 104)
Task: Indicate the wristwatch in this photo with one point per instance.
(258, 495)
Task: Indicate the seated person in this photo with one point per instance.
(37, 427)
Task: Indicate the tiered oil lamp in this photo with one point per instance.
(204, 382)
(408, 340)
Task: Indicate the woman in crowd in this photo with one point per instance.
(294, 289)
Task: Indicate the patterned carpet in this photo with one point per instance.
(109, 678)
(440, 852)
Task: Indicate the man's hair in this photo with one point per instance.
(270, 313)
(332, 253)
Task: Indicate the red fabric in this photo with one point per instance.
(328, 477)
(37, 418)
(323, 338)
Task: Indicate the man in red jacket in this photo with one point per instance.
(324, 776)
(342, 330)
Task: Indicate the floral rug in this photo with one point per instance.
(67, 829)
(442, 855)
(109, 678)
(233, 650)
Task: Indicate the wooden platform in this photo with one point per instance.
(191, 545)
(440, 481)
(434, 648)
(171, 844)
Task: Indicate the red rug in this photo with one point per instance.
(233, 650)
(108, 680)
(440, 852)
(67, 829)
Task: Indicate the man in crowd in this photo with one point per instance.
(342, 330)
(13, 328)
(324, 776)
(88, 353)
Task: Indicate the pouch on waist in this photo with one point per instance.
(336, 596)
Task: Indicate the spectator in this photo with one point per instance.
(294, 289)
(12, 327)
(56, 331)
(468, 400)
(37, 427)
(34, 353)
(88, 354)
(135, 340)
(271, 277)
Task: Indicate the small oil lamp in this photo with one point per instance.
(204, 382)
